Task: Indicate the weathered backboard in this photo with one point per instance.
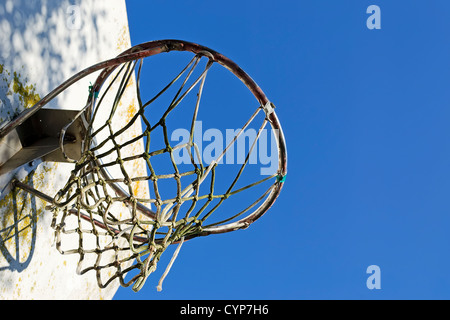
(43, 43)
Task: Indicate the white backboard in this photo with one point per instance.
(43, 44)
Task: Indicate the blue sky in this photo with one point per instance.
(365, 114)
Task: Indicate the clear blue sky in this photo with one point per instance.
(366, 118)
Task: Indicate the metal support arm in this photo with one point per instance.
(38, 137)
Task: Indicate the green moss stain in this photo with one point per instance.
(14, 84)
(27, 93)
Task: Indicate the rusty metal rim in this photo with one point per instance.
(156, 47)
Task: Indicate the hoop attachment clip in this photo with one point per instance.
(269, 108)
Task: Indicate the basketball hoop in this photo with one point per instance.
(90, 200)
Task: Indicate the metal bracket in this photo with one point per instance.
(38, 137)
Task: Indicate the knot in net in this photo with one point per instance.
(102, 214)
